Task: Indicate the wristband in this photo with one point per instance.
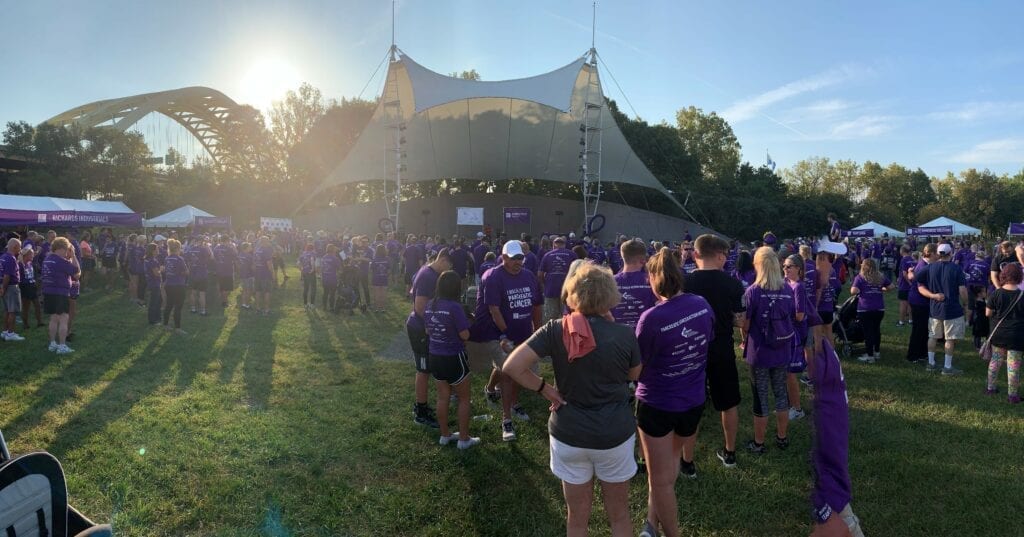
(543, 383)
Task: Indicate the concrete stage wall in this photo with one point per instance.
(364, 218)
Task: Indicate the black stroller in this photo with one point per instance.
(846, 327)
(34, 499)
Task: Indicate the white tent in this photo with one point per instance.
(553, 127)
(880, 229)
(180, 217)
(958, 228)
(47, 211)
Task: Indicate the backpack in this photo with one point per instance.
(777, 330)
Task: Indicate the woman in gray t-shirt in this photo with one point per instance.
(592, 429)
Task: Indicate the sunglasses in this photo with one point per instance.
(519, 257)
(789, 266)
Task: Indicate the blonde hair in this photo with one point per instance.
(805, 252)
(173, 246)
(591, 290)
(573, 267)
(768, 269)
(869, 271)
(60, 243)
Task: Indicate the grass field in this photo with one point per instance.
(293, 425)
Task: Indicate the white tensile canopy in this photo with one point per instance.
(881, 229)
(45, 203)
(528, 128)
(180, 217)
(958, 228)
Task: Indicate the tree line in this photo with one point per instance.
(698, 158)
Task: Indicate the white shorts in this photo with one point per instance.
(577, 466)
(950, 329)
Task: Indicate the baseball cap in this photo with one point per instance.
(159, 238)
(945, 249)
(479, 234)
(512, 249)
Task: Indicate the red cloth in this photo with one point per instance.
(577, 335)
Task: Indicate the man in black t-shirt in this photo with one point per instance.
(725, 295)
(1005, 254)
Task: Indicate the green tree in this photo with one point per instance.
(709, 139)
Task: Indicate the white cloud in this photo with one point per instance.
(863, 127)
(975, 111)
(745, 109)
(993, 151)
(817, 111)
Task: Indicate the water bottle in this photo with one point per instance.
(482, 417)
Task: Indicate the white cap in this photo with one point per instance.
(572, 235)
(159, 238)
(945, 249)
(512, 249)
(479, 234)
(830, 247)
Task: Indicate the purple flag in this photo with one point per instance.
(930, 230)
(1016, 228)
(858, 233)
(516, 215)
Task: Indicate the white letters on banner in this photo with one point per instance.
(469, 216)
(275, 224)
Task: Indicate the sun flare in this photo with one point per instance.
(267, 80)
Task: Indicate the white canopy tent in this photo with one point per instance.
(552, 127)
(180, 217)
(958, 228)
(880, 229)
(48, 211)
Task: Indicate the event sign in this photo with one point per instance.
(275, 224)
(1016, 228)
(469, 216)
(516, 215)
(855, 233)
(930, 231)
(213, 221)
(14, 217)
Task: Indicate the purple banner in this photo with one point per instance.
(11, 217)
(213, 221)
(858, 233)
(1016, 228)
(516, 215)
(931, 230)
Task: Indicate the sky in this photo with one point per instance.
(934, 85)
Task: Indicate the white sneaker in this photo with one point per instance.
(866, 359)
(64, 349)
(795, 414)
(53, 346)
(508, 431)
(519, 413)
(11, 336)
(466, 444)
(450, 439)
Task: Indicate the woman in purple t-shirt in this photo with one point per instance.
(175, 278)
(769, 326)
(379, 270)
(673, 337)
(868, 287)
(447, 330)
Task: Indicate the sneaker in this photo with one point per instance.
(991, 391)
(1013, 399)
(951, 372)
(64, 349)
(899, 323)
(755, 448)
(425, 418)
(688, 469)
(466, 444)
(53, 346)
(796, 413)
(508, 431)
(781, 443)
(867, 359)
(450, 439)
(519, 413)
(728, 458)
(805, 380)
(492, 397)
(649, 530)
(931, 368)
(11, 336)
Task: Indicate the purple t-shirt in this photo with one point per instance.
(827, 293)
(531, 263)
(245, 265)
(136, 259)
(444, 320)
(977, 272)
(747, 278)
(262, 262)
(763, 306)
(637, 297)
(914, 297)
(515, 296)
(902, 283)
(485, 266)
(9, 268)
(869, 296)
(175, 271)
(479, 252)
(379, 271)
(225, 256)
(555, 266)
(413, 256)
(424, 284)
(673, 337)
(152, 267)
(832, 490)
(460, 260)
(329, 267)
(307, 262)
(57, 274)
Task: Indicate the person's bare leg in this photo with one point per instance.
(579, 500)
(730, 425)
(444, 392)
(462, 389)
(616, 505)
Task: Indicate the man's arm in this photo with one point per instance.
(499, 321)
(538, 317)
(421, 305)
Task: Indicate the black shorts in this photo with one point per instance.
(658, 423)
(56, 304)
(88, 264)
(420, 348)
(197, 285)
(450, 369)
(723, 378)
(29, 292)
(226, 283)
(278, 263)
(902, 295)
(109, 262)
(826, 317)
